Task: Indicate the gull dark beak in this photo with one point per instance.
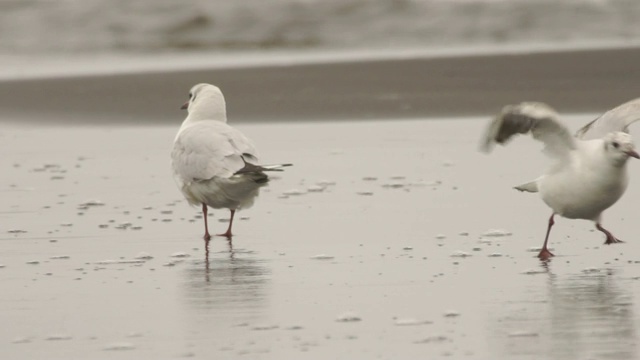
(633, 153)
(184, 106)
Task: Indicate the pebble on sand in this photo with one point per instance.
(460, 254)
(326, 183)
(348, 317)
(180, 254)
(451, 314)
(119, 346)
(264, 327)
(89, 203)
(58, 337)
(410, 322)
(322, 257)
(316, 188)
(143, 256)
(365, 193)
(432, 339)
(496, 233)
(393, 185)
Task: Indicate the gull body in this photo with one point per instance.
(590, 182)
(214, 164)
(589, 172)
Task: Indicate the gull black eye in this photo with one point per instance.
(615, 144)
(190, 96)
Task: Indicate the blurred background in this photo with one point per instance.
(39, 27)
(373, 58)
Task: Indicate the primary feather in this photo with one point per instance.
(616, 119)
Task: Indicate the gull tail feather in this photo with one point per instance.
(252, 168)
(531, 186)
(277, 167)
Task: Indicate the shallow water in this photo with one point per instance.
(389, 239)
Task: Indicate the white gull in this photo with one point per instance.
(213, 163)
(589, 173)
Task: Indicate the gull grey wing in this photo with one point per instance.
(616, 119)
(530, 117)
(210, 149)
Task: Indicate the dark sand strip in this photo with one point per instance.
(576, 81)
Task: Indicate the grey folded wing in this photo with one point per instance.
(211, 149)
(538, 119)
(616, 119)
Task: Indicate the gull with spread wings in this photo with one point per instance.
(589, 173)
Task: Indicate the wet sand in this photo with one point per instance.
(378, 243)
(573, 81)
(374, 245)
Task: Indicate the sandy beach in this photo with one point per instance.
(388, 239)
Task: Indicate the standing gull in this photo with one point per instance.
(213, 163)
(589, 173)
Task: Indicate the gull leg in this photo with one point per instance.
(545, 254)
(610, 238)
(206, 237)
(228, 234)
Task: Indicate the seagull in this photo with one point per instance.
(589, 172)
(213, 163)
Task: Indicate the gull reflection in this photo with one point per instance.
(588, 315)
(227, 279)
(592, 317)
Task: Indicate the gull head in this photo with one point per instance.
(619, 146)
(205, 102)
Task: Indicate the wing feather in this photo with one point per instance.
(616, 119)
(538, 119)
(208, 149)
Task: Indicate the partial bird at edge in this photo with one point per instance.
(568, 188)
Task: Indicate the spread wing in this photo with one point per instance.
(530, 117)
(210, 149)
(617, 119)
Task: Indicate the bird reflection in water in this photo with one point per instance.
(228, 279)
(592, 316)
(579, 316)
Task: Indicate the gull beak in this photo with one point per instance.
(186, 105)
(633, 153)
